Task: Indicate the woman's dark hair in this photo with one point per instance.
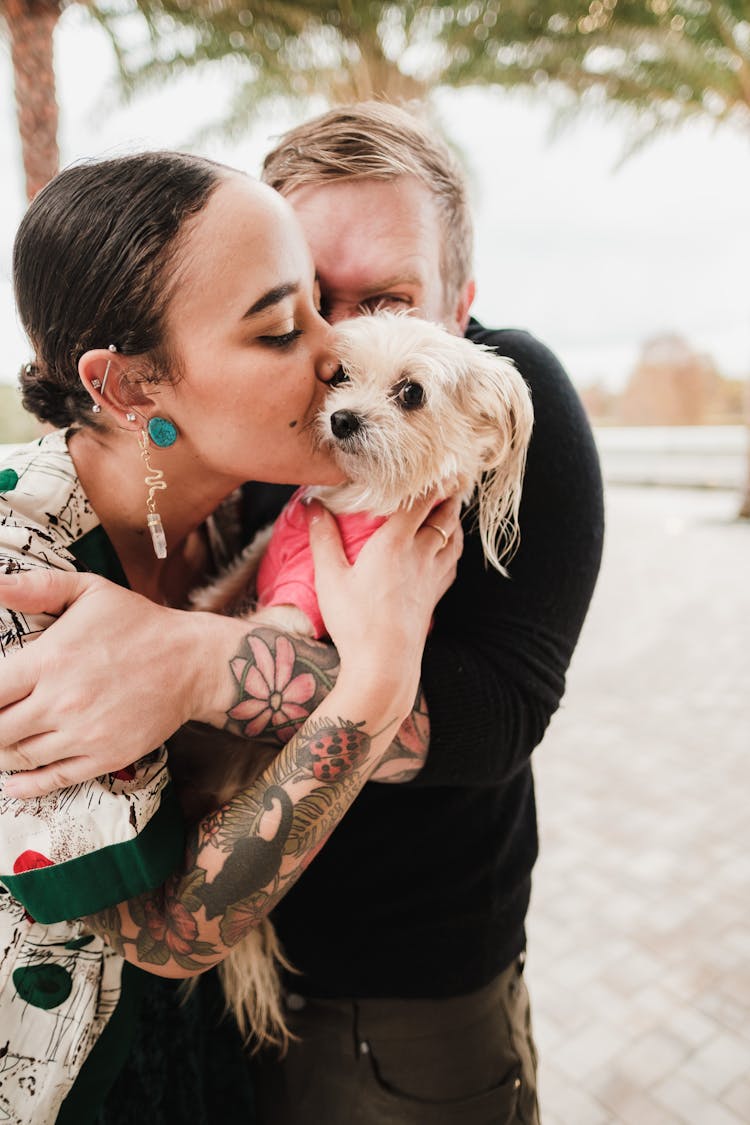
(90, 268)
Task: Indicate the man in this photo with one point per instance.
(408, 929)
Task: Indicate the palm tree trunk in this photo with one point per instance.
(31, 24)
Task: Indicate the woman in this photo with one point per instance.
(171, 304)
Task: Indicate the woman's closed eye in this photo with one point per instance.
(283, 340)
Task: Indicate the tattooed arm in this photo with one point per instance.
(278, 681)
(407, 753)
(242, 859)
(245, 856)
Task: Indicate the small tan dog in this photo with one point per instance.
(415, 408)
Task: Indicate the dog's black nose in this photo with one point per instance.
(344, 423)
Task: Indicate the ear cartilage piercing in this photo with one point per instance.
(106, 376)
(162, 432)
(110, 348)
(96, 384)
(155, 482)
(130, 417)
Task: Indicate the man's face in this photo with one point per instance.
(376, 243)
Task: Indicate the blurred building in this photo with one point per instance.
(671, 385)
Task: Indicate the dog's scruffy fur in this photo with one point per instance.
(414, 408)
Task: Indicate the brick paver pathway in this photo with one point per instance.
(639, 933)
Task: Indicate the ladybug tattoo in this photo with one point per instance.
(332, 749)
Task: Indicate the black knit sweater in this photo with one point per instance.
(423, 888)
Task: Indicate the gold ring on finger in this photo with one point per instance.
(436, 527)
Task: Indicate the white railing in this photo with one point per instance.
(682, 456)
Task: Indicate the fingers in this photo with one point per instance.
(16, 683)
(406, 522)
(28, 751)
(38, 783)
(325, 540)
(443, 521)
(42, 591)
(447, 514)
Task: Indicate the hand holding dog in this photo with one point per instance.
(399, 576)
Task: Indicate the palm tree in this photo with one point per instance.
(30, 26)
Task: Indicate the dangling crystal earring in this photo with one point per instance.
(155, 483)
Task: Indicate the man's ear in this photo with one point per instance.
(105, 375)
(463, 305)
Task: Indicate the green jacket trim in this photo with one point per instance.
(112, 874)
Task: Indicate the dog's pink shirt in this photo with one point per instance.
(286, 575)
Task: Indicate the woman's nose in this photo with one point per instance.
(328, 364)
(329, 369)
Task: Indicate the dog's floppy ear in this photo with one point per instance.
(503, 417)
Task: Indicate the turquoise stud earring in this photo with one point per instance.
(162, 432)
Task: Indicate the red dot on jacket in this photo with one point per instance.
(30, 861)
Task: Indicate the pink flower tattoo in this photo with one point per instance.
(272, 696)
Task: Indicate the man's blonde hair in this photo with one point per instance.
(375, 140)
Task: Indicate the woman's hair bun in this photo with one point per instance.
(49, 401)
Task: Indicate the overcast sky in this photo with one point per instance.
(591, 257)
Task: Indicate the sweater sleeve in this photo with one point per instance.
(494, 667)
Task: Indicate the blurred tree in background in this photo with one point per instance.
(664, 60)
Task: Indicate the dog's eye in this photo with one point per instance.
(339, 377)
(410, 395)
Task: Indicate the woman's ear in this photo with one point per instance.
(105, 375)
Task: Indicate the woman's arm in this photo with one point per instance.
(243, 858)
(62, 700)
(278, 681)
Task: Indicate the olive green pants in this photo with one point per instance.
(466, 1060)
